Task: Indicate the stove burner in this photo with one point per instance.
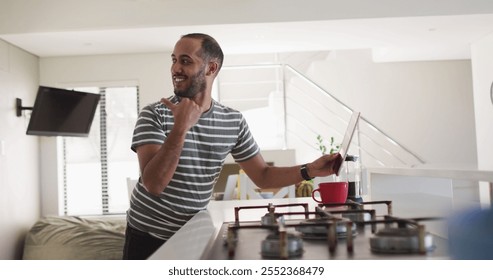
(318, 231)
(269, 220)
(401, 241)
(272, 246)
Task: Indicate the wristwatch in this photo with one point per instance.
(304, 173)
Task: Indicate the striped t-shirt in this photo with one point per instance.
(219, 131)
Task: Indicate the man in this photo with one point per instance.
(182, 142)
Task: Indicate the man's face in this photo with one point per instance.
(188, 68)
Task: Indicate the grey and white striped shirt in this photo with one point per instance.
(219, 131)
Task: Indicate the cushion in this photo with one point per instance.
(75, 238)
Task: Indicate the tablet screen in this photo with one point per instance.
(346, 141)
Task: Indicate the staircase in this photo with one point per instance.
(286, 110)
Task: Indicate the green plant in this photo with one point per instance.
(323, 148)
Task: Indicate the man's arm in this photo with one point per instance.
(265, 176)
(158, 162)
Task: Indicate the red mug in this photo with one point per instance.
(331, 192)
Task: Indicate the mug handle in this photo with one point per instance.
(313, 195)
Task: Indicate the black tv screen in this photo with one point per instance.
(61, 112)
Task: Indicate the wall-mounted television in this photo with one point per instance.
(62, 112)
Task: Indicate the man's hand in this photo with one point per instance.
(325, 165)
(186, 113)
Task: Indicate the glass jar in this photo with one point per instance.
(351, 173)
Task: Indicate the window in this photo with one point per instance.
(96, 168)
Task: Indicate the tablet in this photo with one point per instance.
(346, 141)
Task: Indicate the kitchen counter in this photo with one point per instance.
(200, 237)
(464, 174)
(193, 239)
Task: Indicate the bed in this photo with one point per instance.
(76, 238)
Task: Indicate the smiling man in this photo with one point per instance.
(182, 142)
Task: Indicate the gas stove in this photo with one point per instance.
(351, 230)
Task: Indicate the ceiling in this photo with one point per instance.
(400, 38)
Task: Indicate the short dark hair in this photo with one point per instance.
(210, 48)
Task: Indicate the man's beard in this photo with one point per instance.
(198, 85)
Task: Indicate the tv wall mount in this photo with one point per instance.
(20, 108)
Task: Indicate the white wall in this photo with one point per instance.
(427, 106)
(151, 72)
(19, 153)
(482, 63)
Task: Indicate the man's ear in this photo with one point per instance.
(212, 68)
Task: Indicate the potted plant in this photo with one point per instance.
(321, 145)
